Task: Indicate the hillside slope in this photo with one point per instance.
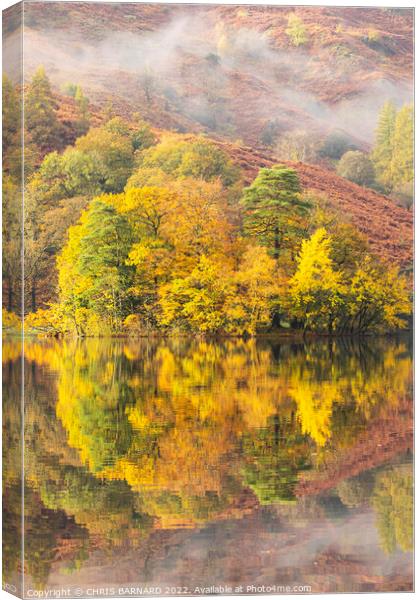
(388, 227)
(229, 70)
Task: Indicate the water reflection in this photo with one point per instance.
(139, 450)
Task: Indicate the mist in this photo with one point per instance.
(208, 71)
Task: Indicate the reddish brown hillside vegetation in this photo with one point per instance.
(387, 226)
(232, 70)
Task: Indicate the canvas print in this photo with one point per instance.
(207, 299)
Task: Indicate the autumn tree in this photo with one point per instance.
(196, 301)
(298, 146)
(149, 177)
(383, 149)
(197, 157)
(316, 288)
(257, 288)
(296, 30)
(349, 246)
(12, 243)
(377, 297)
(149, 210)
(363, 294)
(139, 132)
(83, 116)
(393, 151)
(11, 115)
(41, 120)
(202, 224)
(217, 299)
(402, 162)
(393, 504)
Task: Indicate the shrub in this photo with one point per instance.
(296, 30)
(357, 167)
(335, 145)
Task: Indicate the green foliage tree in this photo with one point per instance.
(139, 132)
(142, 137)
(198, 158)
(104, 249)
(113, 155)
(335, 145)
(270, 204)
(279, 453)
(69, 89)
(357, 167)
(270, 132)
(72, 173)
(101, 161)
(94, 274)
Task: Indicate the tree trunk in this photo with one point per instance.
(33, 296)
(10, 296)
(276, 242)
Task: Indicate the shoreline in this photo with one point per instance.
(297, 335)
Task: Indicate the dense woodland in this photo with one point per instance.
(129, 230)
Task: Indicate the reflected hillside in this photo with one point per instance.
(125, 439)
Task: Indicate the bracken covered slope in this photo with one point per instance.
(232, 70)
(387, 226)
(227, 70)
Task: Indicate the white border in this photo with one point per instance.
(345, 3)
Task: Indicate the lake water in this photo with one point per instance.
(180, 464)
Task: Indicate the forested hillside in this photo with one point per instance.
(154, 201)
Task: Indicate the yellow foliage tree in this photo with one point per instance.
(197, 300)
(256, 292)
(377, 297)
(316, 288)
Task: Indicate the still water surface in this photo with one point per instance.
(190, 464)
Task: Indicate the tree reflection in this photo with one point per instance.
(166, 434)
